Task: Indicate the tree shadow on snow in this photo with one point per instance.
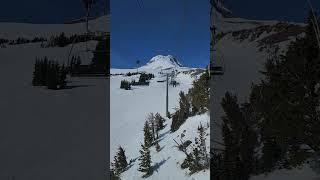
(161, 148)
(78, 86)
(163, 134)
(159, 164)
(130, 164)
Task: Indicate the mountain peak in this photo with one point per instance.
(163, 62)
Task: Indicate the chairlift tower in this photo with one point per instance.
(93, 68)
(214, 68)
(167, 97)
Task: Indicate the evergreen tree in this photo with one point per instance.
(145, 161)
(153, 128)
(114, 176)
(235, 129)
(180, 116)
(199, 94)
(101, 56)
(287, 102)
(36, 74)
(159, 121)
(148, 139)
(121, 160)
(204, 161)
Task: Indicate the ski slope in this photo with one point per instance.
(49, 133)
(129, 110)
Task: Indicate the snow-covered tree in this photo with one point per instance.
(152, 123)
(148, 138)
(121, 159)
(145, 161)
(159, 121)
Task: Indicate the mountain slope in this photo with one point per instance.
(243, 46)
(129, 110)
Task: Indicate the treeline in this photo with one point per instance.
(143, 80)
(196, 101)
(62, 40)
(22, 40)
(49, 73)
(281, 120)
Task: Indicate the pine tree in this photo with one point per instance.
(159, 121)
(199, 94)
(233, 123)
(36, 74)
(114, 176)
(115, 166)
(180, 116)
(287, 102)
(202, 147)
(148, 139)
(145, 161)
(153, 128)
(121, 160)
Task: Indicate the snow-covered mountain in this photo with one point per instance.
(162, 62)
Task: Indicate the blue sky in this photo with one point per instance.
(45, 11)
(285, 10)
(176, 27)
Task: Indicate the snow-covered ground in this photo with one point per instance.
(11, 30)
(129, 110)
(46, 133)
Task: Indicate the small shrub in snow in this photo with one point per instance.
(125, 85)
